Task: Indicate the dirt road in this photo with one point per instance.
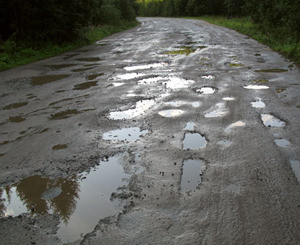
(174, 132)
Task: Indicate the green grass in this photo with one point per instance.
(277, 39)
(13, 55)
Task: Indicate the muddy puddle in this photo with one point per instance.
(192, 171)
(218, 112)
(94, 76)
(80, 200)
(272, 121)
(61, 66)
(64, 114)
(177, 83)
(40, 80)
(140, 108)
(144, 67)
(234, 125)
(282, 143)
(258, 104)
(15, 105)
(275, 70)
(59, 147)
(256, 87)
(86, 85)
(89, 59)
(295, 164)
(206, 90)
(171, 113)
(193, 141)
(125, 134)
(16, 119)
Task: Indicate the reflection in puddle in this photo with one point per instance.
(87, 85)
(128, 76)
(194, 141)
(89, 59)
(15, 105)
(258, 104)
(206, 90)
(40, 80)
(64, 114)
(219, 112)
(16, 119)
(80, 200)
(256, 87)
(144, 67)
(191, 174)
(190, 126)
(272, 70)
(140, 108)
(295, 164)
(228, 98)
(59, 147)
(208, 77)
(234, 125)
(271, 121)
(125, 134)
(171, 113)
(118, 84)
(180, 103)
(177, 83)
(224, 143)
(282, 142)
(234, 188)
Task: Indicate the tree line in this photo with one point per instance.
(284, 15)
(57, 21)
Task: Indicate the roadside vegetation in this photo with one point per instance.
(34, 30)
(274, 23)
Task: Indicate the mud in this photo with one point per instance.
(86, 85)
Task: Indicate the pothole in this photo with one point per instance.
(83, 86)
(41, 80)
(171, 113)
(59, 147)
(177, 83)
(206, 90)
(192, 171)
(234, 125)
(256, 87)
(258, 104)
(144, 67)
(128, 76)
(140, 108)
(193, 141)
(295, 164)
(219, 112)
(16, 119)
(125, 134)
(64, 114)
(94, 76)
(84, 197)
(282, 143)
(272, 121)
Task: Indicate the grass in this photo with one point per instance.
(13, 55)
(277, 39)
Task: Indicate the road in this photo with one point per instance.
(174, 132)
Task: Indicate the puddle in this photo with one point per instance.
(125, 134)
(224, 143)
(235, 65)
(234, 125)
(190, 126)
(140, 109)
(82, 69)
(193, 141)
(58, 67)
(177, 83)
(258, 104)
(87, 85)
(257, 54)
(16, 119)
(150, 80)
(233, 188)
(59, 101)
(206, 90)
(64, 114)
(228, 99)
(195, 104)
(128, 76)
(171, 113)
(295, 164)
(280, 90)
(260, 81)
(219, 112)
(184, 51)
(210, 77)
(40, 80)
(80, 200)
(192, 171)
(15, 105)
(271, 121)
(2, 154)
(94, 76)
(256, 87)
(118, 84)
(282, 142)
(144, 67)
(272, 70)
(89, 59)
(59, 147)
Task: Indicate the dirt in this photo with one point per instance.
(111, 164)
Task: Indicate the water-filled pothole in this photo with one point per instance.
(258, 104)
(256, 87)
(140, 108)
(59, 147)
(190, 126)
(295, 164)
(144, 67)
(64, 114)
(275, 70)
(40, 80)
(125, 134)
(272, 121)
(86, 85)
(218, 112)
(192, 171)
(234, 125)
(94, 76)
(128, 76)
(17, 119)
(282, 142)
(260, 81)
(171, 113)
(206, 90)
(80, 200)
(193, 141)
(228, 99)
(15, 105)
(177, 83)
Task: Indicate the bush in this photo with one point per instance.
(108, 14)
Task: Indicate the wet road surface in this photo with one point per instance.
(174, 132)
